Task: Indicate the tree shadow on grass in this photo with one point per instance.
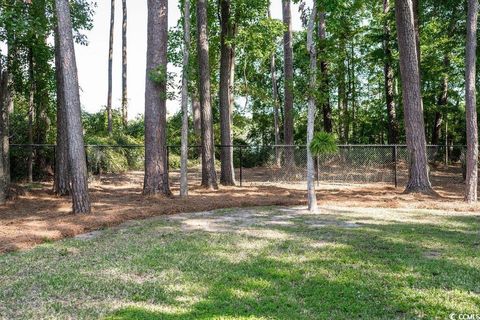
(379, 272)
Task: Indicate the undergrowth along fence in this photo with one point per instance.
(258, 164)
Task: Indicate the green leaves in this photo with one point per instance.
(323, 143)
(158, 74)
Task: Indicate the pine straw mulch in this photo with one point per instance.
(37, 215)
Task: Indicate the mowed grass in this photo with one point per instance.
(263, 263)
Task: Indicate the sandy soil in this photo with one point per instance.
(39, 216)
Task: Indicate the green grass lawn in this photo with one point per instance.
(265, 263)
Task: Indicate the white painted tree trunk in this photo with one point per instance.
(312, 199)
(471, 105)
(184, 143)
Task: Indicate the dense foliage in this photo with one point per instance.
(353, 49)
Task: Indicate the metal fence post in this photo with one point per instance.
(241, 167)
(395, 160)
(318, 171)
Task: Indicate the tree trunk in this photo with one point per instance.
(276, 120)
(31, 116)
(110, 67)
(184, 142)
(288, 74)
(156, 162)
(197, 116)
(124, 65)
(62, 181)
(471, 104)
(5, 102)
(342, 95)
(324, 86)
(76, 149)
(416, 24)
(209, 175)
(312, 199)
(388, 75)
(441, 104)
(352, 89)
(276, 117)
(227, 63)
(412, 99)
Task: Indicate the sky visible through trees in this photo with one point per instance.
(91, 58)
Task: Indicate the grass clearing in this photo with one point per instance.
(262, 263)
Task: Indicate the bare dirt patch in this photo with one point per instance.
(37, 215)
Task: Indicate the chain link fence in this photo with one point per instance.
(258, 165)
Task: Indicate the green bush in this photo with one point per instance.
(114, 154)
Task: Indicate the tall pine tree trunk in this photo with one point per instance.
(288, 74)
(5, 103)
(110, 67)
(197, 116)
(416, 24)
(156, 164)
(76, 146)
(471, 104)
(227, 63)
(324, 85)
(209, 175)
(388, 76)
(124, 65)
(184, 142)
(412, 100)
(312, 199)
(62, 182)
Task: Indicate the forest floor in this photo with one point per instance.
(343, 262)
(38, 216)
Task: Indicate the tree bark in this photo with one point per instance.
(62, 181)
(124, 65)
(392, 125)
(197, 116)
(312, 199)
(76, 149)
(276, 119)
(156, 162)
(288, 74)
(442, 101)
(324, 86)
(412, 100)
(110, 67)
(184, 142)
(227, 68)
(276, 107)
(209, 175)
(31, 116)
(471, 106)
(416, 24)
(352, 89)
(342, 95)
(5, 102)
